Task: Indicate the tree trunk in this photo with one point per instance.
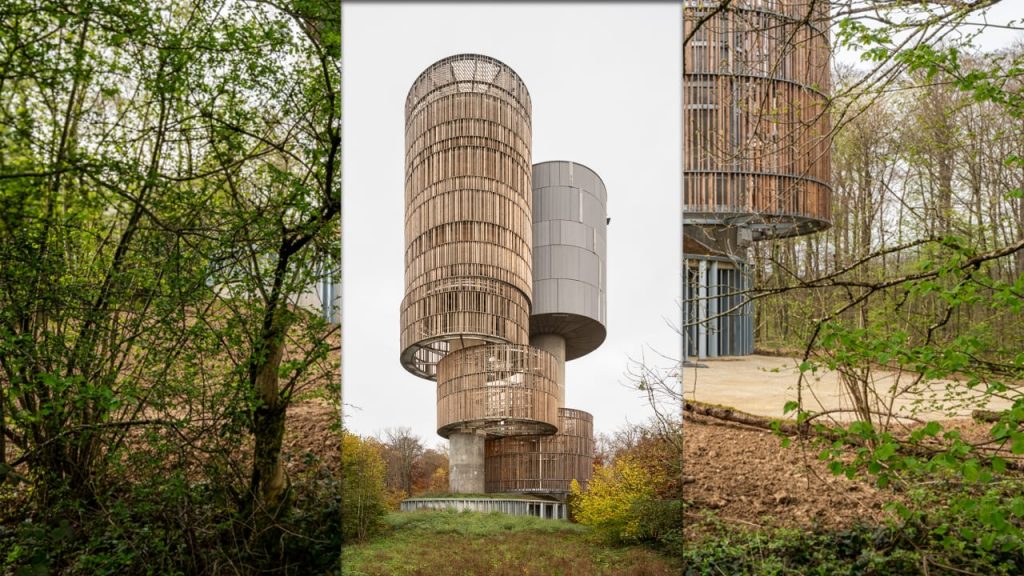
(269, 484)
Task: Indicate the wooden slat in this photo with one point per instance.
(501, 389)
(756, 126)
(543, 463)
(468, 220)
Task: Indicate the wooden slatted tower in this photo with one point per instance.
(503, 281)
(756, 148)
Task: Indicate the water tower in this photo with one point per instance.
(504, 277)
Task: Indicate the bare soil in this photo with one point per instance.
(743, 476)
(739, 476)
(311, 437)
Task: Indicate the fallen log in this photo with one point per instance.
(790, 428)
(787, 427)
(986, 415)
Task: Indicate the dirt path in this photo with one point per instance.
(761, 385)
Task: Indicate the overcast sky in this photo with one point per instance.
(605, 84)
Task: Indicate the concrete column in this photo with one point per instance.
(554, 344)
(466, 463)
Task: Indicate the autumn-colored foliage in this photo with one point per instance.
(635, 497)
(614, 498)
(363, 498)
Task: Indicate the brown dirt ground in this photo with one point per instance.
(311, 430)
(743, 476)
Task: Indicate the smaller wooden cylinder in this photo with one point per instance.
(500, 389)
(543, 463)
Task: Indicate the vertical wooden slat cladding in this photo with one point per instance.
(543, 463)
(756, 123)
(501, 389)
(468, 221)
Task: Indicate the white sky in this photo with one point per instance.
(605, 84)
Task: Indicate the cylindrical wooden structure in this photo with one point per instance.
(501, 389)
(468, 226)
(543, 463)
(755, 120)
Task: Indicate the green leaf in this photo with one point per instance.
(998, 465)
(885, 451)
(1017, 506)
(1017, 442)
(836, 467)
(970, 470)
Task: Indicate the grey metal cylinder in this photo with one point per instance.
(466, 463)
(570, 223)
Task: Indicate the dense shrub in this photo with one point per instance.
(615, 500)
(661, 524)
(168, 525)
(635, 497)
(916, 546)
(862, 551)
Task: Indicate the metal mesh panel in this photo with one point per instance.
(570, 231)
(464, 73)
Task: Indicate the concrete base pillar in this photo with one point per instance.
(466, 463)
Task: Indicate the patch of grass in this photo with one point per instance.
(436, 543)
(490, 496)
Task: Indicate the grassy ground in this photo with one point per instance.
(488, 496)
(435, 543)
